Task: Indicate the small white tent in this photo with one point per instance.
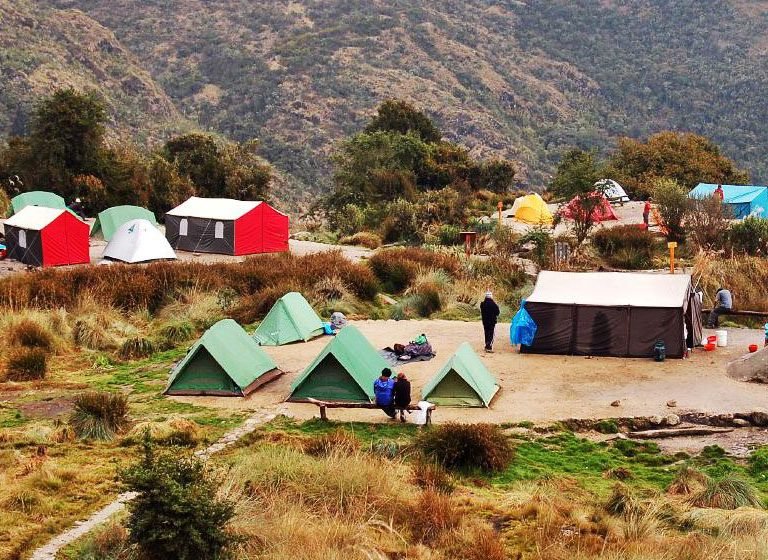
(613, 191)
(138, 241)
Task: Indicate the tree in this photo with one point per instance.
(176, 513)
(685, 157)
(167, 189)
(671, 199)
(575, 180)
(197, 157)
(66, 139)
(576, 174)
(247, 177)
(395, 115)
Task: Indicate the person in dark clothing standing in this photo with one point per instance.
(402, 394)
(489, 312)
(383, 390)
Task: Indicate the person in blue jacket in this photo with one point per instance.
(384, 391)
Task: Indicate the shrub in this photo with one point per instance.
(467, 447)
(173, 488)
(622, 501)
(607, 426)
(27, 364)
(135, 348)
(108, 543)
(397, 268)
(476, 542)
(728, 492)
(400, 222)
(541, 239)
(673, 204)
(349, 219)
(758, 463)
(177, 333)
(338, 441)
(29, 334)
(175, 431)
(448, 235)
(432, 515)
(749, 236)
(429, 475)
(626, 246)
(98, 415)
(687, 482)
(365, 239)
(89, 334)
(707, 222)
(425, 298)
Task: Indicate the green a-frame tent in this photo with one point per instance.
(225, 361)
(36, 198)
(109, 221)
(463, 382)
(291, 319)
(344, 371)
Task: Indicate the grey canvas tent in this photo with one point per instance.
(613, 314)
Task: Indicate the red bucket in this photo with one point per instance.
(712, 339)
(710, 346)
(753, 347)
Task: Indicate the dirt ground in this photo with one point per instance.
(535, 387)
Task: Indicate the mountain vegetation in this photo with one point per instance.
(521, 81)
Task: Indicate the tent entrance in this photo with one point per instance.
(454, 391)
(203, 376)
(329, 381)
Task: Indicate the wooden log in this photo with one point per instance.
(678, 432)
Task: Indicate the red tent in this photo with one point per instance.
(42, 236)
(226, 226)
(602, 211)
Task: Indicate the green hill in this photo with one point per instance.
(518, 79)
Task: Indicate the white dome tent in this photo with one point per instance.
(138, 241)
(613, 191)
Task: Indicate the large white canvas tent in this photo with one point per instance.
(138, 241)
(613, 313)
(613, 191)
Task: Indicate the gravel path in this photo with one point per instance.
(81, 528)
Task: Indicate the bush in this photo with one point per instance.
(673, 204)
(99, 415)
(728, 492)
(626, 246)
(543, 244)
(758, 463)
(749, 236)
(27, 364)
(172, 488)
(448, 235)
(397, 268)
(365, 239)
(108, 543)
(338, 441)
(432, 476)
(400, 222)
(432, 515)
(177, 333)
(467, 447)
(707, 222)
(136, 348)
(29, 334)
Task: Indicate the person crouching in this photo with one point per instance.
(383, 390)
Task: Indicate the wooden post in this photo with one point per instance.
(501, 207)
(323, 413)
(672, 245)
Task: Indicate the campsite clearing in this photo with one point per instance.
(540, 388)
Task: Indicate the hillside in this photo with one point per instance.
(518, 79)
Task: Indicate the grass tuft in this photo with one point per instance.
(99, 415)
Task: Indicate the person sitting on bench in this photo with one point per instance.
(383, 390)
(723, 305)
(402, 394)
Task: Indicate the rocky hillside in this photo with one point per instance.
(518, 79)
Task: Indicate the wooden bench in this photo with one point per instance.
(323, 406)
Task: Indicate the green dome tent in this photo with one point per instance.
(110, 220)
(290, 319)
(37, 198)
(463, 381)
(344, 371)
(224, 362)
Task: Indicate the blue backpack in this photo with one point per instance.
(384, 391)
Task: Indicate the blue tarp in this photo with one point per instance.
(523, 328)
(744, 200)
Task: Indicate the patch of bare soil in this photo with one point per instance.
(47, 408)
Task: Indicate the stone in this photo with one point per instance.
(741, 423)
(672, 419)
(759, 417)
(616, 403)
(671, 404)
(656, 420)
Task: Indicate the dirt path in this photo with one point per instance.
(81, 528)
(535, 387)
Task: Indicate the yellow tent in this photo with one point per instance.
(531, 209)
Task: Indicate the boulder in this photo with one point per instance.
(759, 417)
(672, 419)
(741, 423)
(656, 420)
(750, 367)
(671, 404)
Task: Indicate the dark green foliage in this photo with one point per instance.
(467, 447)
(758, 463)
(749, 236)
(99, 415)
(626, 246)
(136, 347)
(176, 513)
(177, 333)
(607, 426)
(448, 235)
(395, 115)
(576, 174)
(672, 201)
(27, 364)
(543, 244)
(426, 298)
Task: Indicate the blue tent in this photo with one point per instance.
(744, 200)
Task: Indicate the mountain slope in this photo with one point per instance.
(518, 79)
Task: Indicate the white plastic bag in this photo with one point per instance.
(420, 417)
